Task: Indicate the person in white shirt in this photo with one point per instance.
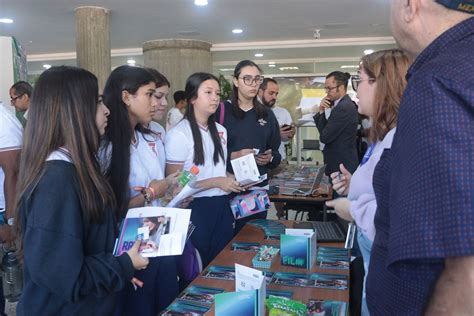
(136, 176)
(199, 141)
(268, 93)
(175, 114)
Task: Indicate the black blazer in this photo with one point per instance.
(339, 135)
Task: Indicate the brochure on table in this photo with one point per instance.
(162, 230)
(249, 298)
(298, 248)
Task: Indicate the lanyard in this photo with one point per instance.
(367, 155)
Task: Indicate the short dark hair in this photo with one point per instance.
(179, 96)
(265, 82)
(23, 87)
(342, 78)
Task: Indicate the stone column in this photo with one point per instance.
(93, 41)
(177, 59)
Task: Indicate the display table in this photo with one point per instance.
(250, 233)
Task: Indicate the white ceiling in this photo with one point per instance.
(280, 29)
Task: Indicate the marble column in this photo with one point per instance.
(177, 59)
(93, 41)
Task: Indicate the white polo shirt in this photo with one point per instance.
(179, 147)
(283, 117)
(11, 133)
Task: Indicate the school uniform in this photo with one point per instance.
(211, 212)
(160, 277)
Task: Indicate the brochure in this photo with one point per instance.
(163, 231)
(237, 303)
(327, 308)
(246, 170)
(199, 295)
(251, 279)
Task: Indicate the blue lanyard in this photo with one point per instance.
(367, 155)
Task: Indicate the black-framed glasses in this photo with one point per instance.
(16, 98)
(356, 80)
(327, 89)
(249, 80)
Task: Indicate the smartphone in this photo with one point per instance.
(331, 103)
(286, 127)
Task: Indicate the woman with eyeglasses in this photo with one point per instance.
(65, 207)
(380, 84)
(250, 125)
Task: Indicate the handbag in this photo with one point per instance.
(253, 202)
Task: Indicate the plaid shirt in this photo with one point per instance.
(424, 185)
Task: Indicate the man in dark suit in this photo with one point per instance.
(338, 131)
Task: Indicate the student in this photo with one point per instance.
(175, 113)
(65, 213)
(161, 102)
(198, 140)
(379, 84)
(134, 171)
(250, 125)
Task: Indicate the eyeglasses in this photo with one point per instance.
(355, 80)
(327, 89)
(249, 80)
(15, 98)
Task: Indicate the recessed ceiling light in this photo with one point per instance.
(131, 62)
(6, 21)
(226, 69)
(272, 65)
(271, 62)
(258, 55)
(288, 68)
(46, 66)
(200, 2)
(368, 51)
(349, 66)
(237, 31)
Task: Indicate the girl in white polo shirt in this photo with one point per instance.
(199, 140)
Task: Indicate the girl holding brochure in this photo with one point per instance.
(64, 218)
(250, 125)
(199, 140)
(133, 168)
(380, 84)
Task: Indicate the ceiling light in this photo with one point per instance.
(200, 2)
(349, 66)
(288, 68)
(46, 66)
(6, 21)
(131, 62)
(368, 51)
(272, 65)
(226, 69)
(237, 31)
(258, 55)
(271, 62)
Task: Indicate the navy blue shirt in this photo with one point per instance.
(250, 132)
(424, 185)
(68, 265)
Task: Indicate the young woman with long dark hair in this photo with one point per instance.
(65, 215)
(250, 125)
(133, 168)
(198, 140)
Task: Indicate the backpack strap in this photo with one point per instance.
(221, 113)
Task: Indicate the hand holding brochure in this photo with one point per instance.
(246, 170)
(163, 231)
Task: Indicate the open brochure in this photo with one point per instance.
(163, 231)
(185, 192)
(246, 170)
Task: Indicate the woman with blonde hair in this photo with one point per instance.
(380, 84)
